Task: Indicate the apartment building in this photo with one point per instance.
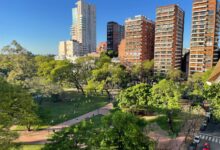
(83, 27)
(69, 50)
(168, 38)
(115, 33)
(204, 51)
(138, 44)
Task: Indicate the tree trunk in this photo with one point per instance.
(170, 120)
(109, 95)
(28, 126)
(78, 86)
(81, 89)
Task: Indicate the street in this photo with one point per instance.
(211, 135)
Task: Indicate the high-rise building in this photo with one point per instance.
(83, 27)
(115, 33)
(138, 44)
(204, 51)
(168, 38)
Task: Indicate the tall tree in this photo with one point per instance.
(15, 104)
(212, 94)
(135, 98)
(107, 77)
(17, 64)
(122, 131)
(196, 86)
(175, 75)
(75, 137)
(166, 96)
(143, 72)
(118, 131)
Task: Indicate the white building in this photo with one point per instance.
(69, 50)
(83, 27)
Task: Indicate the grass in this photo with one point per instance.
(62, 111)
(177, 124)
(162, 119)
(95, 119)
(73, 105)
(29, 147)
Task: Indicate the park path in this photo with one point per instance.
(41, 137)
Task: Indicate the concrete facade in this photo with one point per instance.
(69, 49)
(83, 27)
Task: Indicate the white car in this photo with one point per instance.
(196, 139)
(208, 114)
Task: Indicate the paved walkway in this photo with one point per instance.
(40, 137)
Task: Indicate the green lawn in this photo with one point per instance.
(73, 105)
(76, 105)
(29, 147)
(162, 119)
(177, 123)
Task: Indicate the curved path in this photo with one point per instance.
(40, 137)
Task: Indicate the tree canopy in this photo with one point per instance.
(117, 131)
(135, 98)
(165, 97)
(16, 107)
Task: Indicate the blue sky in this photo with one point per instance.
(39, 25)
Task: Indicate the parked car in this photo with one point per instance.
(205, 123)
(196, 139)
(206, 146)
(192, 146)
(208, 114)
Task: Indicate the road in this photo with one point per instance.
(211, 135)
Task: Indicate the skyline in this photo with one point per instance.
(41, 31)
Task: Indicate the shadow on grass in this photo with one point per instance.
(179, 120)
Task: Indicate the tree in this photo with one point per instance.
(74, 137)
(104, 59)
(143, 72)
(15, 104)
(135, 98)
(112, 53)
(122, 131)
(174, 75)
(165, 96)
(118, 131)
(68, 73)
(212, 94)
(17, 64)
(40, 89)
(196, 86)
(105, 78)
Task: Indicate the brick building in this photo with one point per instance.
(168, 38)
(138, 44)
(204, 51)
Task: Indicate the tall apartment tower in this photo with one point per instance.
(115, 33)
(168, 38)
(204, 51)
(138, 44)
(83, 27)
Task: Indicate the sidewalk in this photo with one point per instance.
(40, 137)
